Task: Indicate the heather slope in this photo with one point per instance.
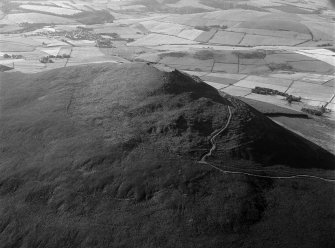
(106, 155)
(136, 103)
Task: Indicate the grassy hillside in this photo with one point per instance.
(106, 156)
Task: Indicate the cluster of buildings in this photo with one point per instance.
(82, 33)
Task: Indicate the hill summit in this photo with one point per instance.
(132, 105)
(120, 145)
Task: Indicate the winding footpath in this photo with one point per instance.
(216, 133)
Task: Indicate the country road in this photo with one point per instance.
(216, 133)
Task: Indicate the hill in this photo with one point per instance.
(5, 68)
(106, 155)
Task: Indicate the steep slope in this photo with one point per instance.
(5, 68)
(106, 156)
(116, 106)
(252, 136)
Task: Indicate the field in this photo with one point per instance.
(52, 10)
(65, 50)
(206, 36)
(251, 84)
(223, 67)
(275, 23)
(48, 42)
(123, 32)
(272, 33)
(311, 91)
(236, 90)
(86, 55)
(217, 78)
(37, 18)
(260, 40)
(284, 84)
(164, 28)
(191, 34)
(159, 39)
(9, 46)
(29, 66)
(321, 30)
(189, 62)
(227, 38)
(189, 3)
(319, 54)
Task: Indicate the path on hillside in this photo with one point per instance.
(216, 133)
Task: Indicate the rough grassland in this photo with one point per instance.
(105, 156)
